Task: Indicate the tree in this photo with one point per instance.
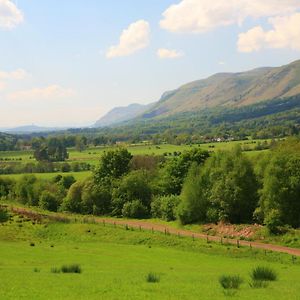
(176, 169)
(113, 164)
(194, 199)
(224, 189)
(52, 149)
(48, 201)
(164, 207)
(134, 186)
(281, 190)
(80, 143)
(135, 209)
(96, 199)
(73, 201)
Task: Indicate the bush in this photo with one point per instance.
(134, 209)
(230, 281)
(48, 201)
(263, 274)
(273, 221)
(164, 207)
(4, 216)
(152, 277)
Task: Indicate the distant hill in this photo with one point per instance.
(31, 129)
(122, 114)
(230, 90)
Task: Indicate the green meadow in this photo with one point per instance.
(92, 154)
(115, 262)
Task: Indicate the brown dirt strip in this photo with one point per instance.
(162, 228)
(187, 233)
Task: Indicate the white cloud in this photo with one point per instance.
(18, 74)
(168, 53)
(51, 92)
(2, 85)
(10, 15)
(285, 34)
(198, 16)
(132, 39)
(13, 75)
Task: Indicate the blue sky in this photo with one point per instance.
(67, 62)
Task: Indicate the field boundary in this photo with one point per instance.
(154, 227)
(195, 235)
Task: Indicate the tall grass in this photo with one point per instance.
(67, 269)
(230, 281)
(261, 273)
(152, 277)
(71, 268)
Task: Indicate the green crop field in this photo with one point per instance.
(115, 263)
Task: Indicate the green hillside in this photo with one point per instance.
(230, 90)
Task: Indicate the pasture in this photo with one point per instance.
(116, 262)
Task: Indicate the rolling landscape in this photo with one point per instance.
(108, 191)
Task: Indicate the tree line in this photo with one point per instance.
(193, 187)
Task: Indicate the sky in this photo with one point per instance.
(68, 62)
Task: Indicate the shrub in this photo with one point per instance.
(48, 201)
(230, 281)
(152, 277)
(273, 220)
(4, 216)
(134, 209)
(164, 207)
(263, 274)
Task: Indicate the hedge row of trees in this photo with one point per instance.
(42, 167)
(227, 186)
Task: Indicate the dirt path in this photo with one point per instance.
(188, 233)
(165, 229)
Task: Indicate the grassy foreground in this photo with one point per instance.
(115, 263)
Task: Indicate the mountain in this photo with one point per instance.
(122, 114)
(31, 129)
(230, 90)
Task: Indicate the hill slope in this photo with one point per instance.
(121, 114)
(230, 90)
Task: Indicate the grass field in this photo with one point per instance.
(115, 263)
(92, 155)
(77, 175)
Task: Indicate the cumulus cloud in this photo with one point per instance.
(198, 16)
(284, 34)
(132, 39)
(10, 15)
(168, 53)
(51, 92)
